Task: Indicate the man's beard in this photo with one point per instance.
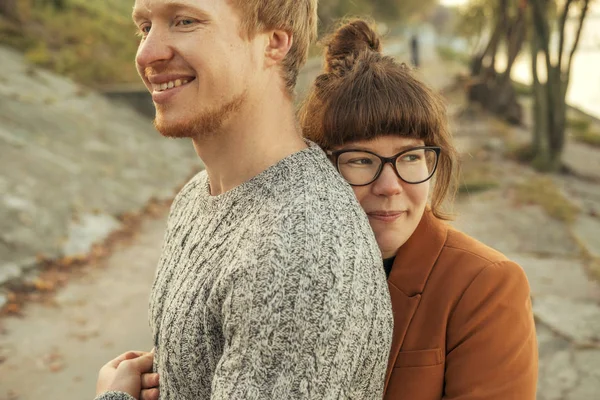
(206, 123)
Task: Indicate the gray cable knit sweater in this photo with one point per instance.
(273, 290)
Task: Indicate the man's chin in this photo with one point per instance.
(203, 124)
(173, 130)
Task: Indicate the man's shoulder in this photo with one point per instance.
(313, 185)
(319, 212)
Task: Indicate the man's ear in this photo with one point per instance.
(278, 47)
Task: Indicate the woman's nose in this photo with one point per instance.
(388, 183)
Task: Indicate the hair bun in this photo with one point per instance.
(348, 42)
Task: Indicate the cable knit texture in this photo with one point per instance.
(115, 396)
(273, 290)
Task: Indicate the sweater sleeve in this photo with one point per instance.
(492, 331)
(305, 330)
(115, 396)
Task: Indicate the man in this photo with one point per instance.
(270, 283)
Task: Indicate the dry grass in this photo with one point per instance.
(476, 177)
(592, 263)
(543, 192)
(589, 137)
(595, 270)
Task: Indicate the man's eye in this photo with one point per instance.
(185, 22)
(145, 29)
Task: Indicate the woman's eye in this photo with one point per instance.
(360, 161)
(411, 158)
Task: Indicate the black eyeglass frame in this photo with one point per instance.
(385, 160)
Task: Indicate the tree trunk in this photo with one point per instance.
(556, 115)
(504, 101)
(539, 143)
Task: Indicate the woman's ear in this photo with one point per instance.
(278, 47)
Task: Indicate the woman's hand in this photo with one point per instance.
(130, 373)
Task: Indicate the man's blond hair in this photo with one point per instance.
(296, 16)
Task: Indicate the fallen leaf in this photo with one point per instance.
(12, 395)
(56, 366)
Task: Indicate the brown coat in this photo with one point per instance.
(463, 326)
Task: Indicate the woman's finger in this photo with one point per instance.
(149, 394)
(140, 365)
(149, 381)
(130, 355)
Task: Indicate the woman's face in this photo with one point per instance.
(393, 206)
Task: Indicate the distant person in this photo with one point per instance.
(464, 326)
(414, 50)
(270, 283)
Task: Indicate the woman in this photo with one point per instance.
(463, 325)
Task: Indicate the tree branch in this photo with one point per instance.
(584, 11)
(561, 31)
(540, 23)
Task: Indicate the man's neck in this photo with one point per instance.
(258, 137)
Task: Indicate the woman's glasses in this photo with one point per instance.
(361, 167)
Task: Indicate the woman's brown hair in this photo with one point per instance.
(363, 94)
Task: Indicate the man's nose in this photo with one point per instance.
(154, 48)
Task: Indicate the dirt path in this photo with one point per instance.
(56, 352)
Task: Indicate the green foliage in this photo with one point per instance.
(475, 18)
(474, 187)
(522, 89)
(579, 125)
(588, 137)
(383, 10)
(92, 42)
(449, 54)
(39, 54)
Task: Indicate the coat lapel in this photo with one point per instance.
(410, 272)
(404, 308)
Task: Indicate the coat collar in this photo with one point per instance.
(416, 258)
(410, 272)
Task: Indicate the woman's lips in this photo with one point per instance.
(385, 216)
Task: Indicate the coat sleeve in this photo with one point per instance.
(492, 347)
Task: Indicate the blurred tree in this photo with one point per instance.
(332, 10)
(473, 23)
(550, 106)
(444, 19)
(383, 10)
(492, 88)
(401, 9)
